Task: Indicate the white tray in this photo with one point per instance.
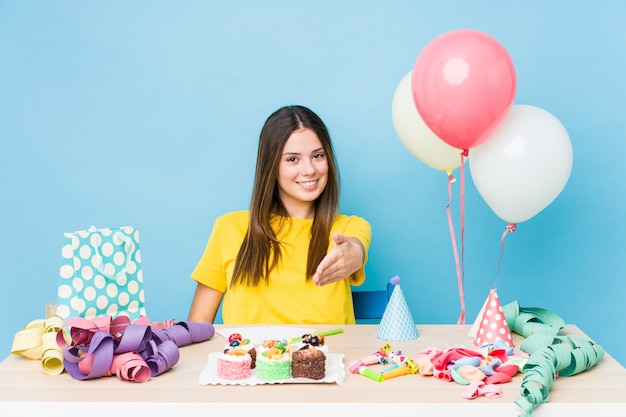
(335, 373)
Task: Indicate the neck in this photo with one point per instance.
(301, 211)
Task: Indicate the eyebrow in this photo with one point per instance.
(298, 153)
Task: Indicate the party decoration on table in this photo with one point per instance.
(474, 329)
(397, 322)
(527, 321)
(101, 274)
(373, 375)
(551, 355)
(378, 357)
(481, 370)
(564, 356)
(395, 359)
(399, 364)
(133, 351)
(492, 323)
(37, 341)
(406, 367)
(480, 388)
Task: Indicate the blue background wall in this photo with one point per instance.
(147, 113)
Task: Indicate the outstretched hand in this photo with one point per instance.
(345, 258)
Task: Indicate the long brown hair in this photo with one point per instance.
(261, 250)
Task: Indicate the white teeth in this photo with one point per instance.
(308, 183)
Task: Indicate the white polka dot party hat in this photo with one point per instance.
(491, 323)
(397, 322)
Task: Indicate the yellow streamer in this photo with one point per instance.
(37, 341)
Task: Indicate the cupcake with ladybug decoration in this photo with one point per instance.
(235, 340)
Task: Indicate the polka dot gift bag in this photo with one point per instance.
(101, 274)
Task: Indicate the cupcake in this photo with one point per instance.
(235, 340)
(234, 364)
(308, 362)
(273, 362)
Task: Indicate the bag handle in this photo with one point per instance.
(130, 247)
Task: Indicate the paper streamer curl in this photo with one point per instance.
(37, 341)
(551, 355)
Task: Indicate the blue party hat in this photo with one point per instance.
(397, 322)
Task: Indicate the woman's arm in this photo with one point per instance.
(205, 303)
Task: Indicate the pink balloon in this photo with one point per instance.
(463, 86)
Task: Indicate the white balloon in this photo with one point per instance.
(524, 165)
(416, 135)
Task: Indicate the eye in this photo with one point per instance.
(291, 159)
(319, 155)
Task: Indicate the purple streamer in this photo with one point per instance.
(159, 348)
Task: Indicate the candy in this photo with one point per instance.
(234, 336)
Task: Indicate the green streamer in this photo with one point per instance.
(551, 355)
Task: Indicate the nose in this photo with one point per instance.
(308, 168)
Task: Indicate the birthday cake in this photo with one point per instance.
(234, 364)
(273, 362)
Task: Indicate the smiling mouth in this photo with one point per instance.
(307, 184)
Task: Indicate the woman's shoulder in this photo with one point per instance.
(235, 215)
(234, 218)
(356, 226)
(347, 219)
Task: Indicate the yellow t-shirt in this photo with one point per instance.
(288, 297)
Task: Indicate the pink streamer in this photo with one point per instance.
(510, 228)
(104, 346)
(461, 319)
(459, 273)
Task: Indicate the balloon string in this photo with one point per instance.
(510, 228)
(461, 319)
(464, 155)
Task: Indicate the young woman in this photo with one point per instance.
(291, 257)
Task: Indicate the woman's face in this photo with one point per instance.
(302, 173)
